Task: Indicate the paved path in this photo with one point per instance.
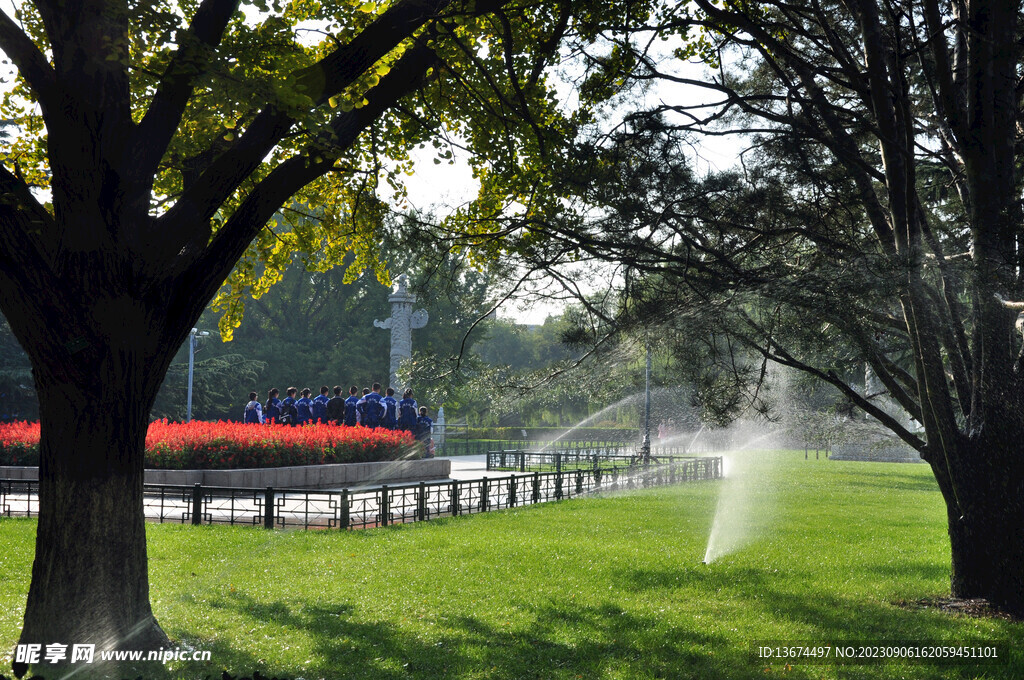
(472, 467)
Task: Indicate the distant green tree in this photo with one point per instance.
(18, 399)
(215, 383)
(537, 375)
(523, 347)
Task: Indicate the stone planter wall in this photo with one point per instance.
(339, 475)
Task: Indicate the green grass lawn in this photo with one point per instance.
(610, 587)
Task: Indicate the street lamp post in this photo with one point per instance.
(191, 365)
(646, 445)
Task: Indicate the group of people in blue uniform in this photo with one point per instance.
(369, 409)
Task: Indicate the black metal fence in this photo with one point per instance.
(381, 505)
(19, 498)
(591, 457)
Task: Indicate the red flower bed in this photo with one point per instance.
(225, 445)
(19, 443)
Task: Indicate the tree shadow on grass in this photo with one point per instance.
(341, 647)
(563, 640)
(916, 571)
(588, 641)
(827, 617)
(923, 483)
(705, 577)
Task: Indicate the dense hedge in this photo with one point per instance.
(227, 445)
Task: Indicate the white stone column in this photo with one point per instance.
(401, 322)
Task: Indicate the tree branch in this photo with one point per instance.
(22, 218)
(338, 70)
(781, 356)
(886, 371)
(208, 266)
(26, 269)
(842, 142)
(510, 66)
(196, 45)
(321, 81)
(31, 62)
(947, 101)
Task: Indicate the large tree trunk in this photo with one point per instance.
(986, 522)
(988, 557)
(89, 579)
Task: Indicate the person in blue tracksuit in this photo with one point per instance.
(425, 428)
(390, 419)
(304, 407)
(350, 406)
(253, 410)
(407, 412)
(370, 409)
(272, 411)
(320, 406)
(359, 413)
(289, 414)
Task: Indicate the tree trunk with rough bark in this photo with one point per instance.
(986, 520)
(90, 581)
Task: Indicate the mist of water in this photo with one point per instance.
(696, 436)
(743, 505)
(685, 438)
(728, 530)
(742, 508)
(594, 418)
